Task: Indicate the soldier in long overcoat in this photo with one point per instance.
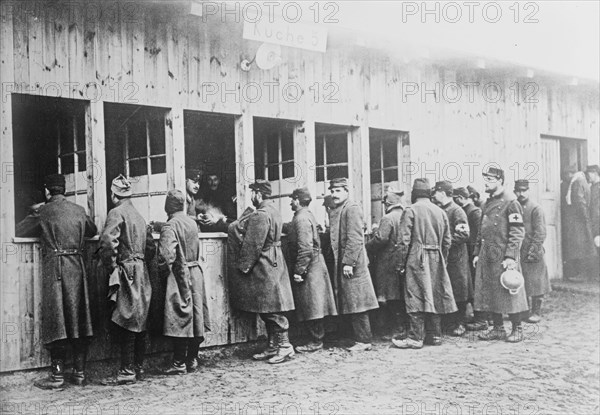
(533, 263)
(458, 257)
(126, 244)
(425, 243)
(261, 283)
(593, 176)
(498, 249)
(352, 286)
(384, 247)
(66, 317)
(311, 286)
(186, 307)
(579, 248)
(462, 199)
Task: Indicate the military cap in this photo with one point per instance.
(444, 186)
(262, 186)
(472, 191)
(121, 186)
(593, 168)
(328, 202)
(302, 194)
(339, 182)
(421, 188)
(175, 201)
(54, 180)
(496, 172)
(393, 196)
(193, 174)
(460, 191)
(522, 184)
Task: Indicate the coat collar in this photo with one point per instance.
(393, 207)
(57, 198)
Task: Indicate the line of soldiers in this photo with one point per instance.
(126, 246)
(430, 262)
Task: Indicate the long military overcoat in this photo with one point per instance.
(62, 226)
(533, 262)
(356, 294)
(458, 256)
(474, 220)
(125, 246)
(384, 248)
(595, 208)
(259, 281)
(314, 296)
(425, 242)
(186, 306)
(578, 241)
(500, 236)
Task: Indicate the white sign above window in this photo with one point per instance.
(295, 35)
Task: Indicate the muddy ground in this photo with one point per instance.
(555, 370)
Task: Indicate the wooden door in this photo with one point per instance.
(549, 196)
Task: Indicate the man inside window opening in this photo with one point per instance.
(216, 206)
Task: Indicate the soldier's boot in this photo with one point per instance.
(285, 350)
(192, 354)
(271, 349)
(480, 322)
(516, 334)
(139, 355)
(536, 311)
(56, 379)
(126, 375)
(178, 367)
(140, 373)
(495, 333)
(79, 362)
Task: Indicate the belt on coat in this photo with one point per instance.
(192, 264)
(63, 252)
(133, 257)
(274, 244)
(426, 247)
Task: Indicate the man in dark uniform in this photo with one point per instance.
(192, 186)
(125, 246)
(216, 205)
(66, 318)
(186, 311)
(535, 271)
(425, 240)
(579, 250)
(593, 176)
(461, 197)
(498, 247)
(352, 286)
(384, 249)
(313, 295)
(259, 281)
(458, 257)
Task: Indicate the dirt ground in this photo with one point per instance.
(555, 370)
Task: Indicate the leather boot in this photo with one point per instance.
(536, 311)
(79, 361)
(56, 380)
(285, 350)
(495, 333)
(516, 335)
(271, 349)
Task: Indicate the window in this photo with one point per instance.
(274, 151)
(385, 152)
(136, 147)
(49, 136)
(384, 159)
(145, 145)
(331, 155)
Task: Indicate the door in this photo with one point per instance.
(551, 204)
